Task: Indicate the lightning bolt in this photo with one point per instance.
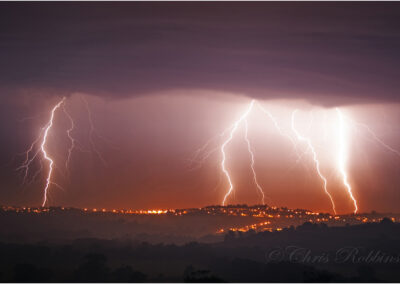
(310, 149)
(93, 133)
(72, 139)
(342, 156)
(284, 134)
(233, 129)
(27, 162)
(44, 151)
(75, 144)
(34, 176)
(278, 128)
(40, 146)
(315, 158)
(202, 154)
(252, 162)
(374, 136)
(42, 141)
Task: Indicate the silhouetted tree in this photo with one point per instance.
(386, 221)
(93, 270)
(127, 274)
(191, 275)
(366, 274)
(230, 235)
(27, 272)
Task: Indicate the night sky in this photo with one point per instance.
(161, 79)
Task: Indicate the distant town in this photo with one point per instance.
(265, 218)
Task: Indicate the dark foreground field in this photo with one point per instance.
(308, 253)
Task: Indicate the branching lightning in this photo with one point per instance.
(40, 146)
(229, 139)
(342, 156)
(39, 149)
(28, 161)
(72, 139)
(93, 133)
(315, 158)
(374, 136)
(44, 151)
(278, 128)
(228, 134)
(252, 162)
(202, 153)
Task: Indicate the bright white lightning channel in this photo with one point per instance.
(343, 156)
(315, 158)
(246, 131)
(229, 139)
(44, 151)
(231, 130)
(40, 146)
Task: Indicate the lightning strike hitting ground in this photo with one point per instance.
(202, 153)
(44, 151)
(229, 139)
(343, 155)
(315, 158)
(40, 146)
(252, 162)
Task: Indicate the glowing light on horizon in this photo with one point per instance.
(343, 156)
(315, 158)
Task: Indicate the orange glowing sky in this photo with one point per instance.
(151, 148)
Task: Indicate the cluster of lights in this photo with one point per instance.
(254, 227)
(274, 219)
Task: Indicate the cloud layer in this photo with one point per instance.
(330, 53)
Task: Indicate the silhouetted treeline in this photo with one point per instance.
(308, 253)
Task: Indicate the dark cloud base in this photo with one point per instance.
(330, 53)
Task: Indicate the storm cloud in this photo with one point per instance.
(329, 53)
